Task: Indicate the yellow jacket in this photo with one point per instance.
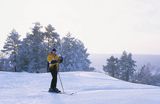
(55, 57)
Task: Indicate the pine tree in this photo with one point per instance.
(127, 66)
(156, 79)
(75, 55)
(36, 49)
(144, 75)
(24, 51)
(112, 67)
(4, 62)
(32, 50)
(11, 48)
(1, 61)
(51, 37)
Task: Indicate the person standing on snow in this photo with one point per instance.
(54, 60)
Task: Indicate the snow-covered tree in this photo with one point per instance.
(24, 54)
(11, 49)
(127, 66)
(112, 67)
(32, 50)
(156, 79)
(75, 55)
(51, 37)
(1, 61)
(36, 49)
(4, 62)
(30, 54)
(144, 75)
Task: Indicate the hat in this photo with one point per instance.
(54, 49)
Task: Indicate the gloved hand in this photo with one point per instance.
(60, 59)
(54, 61)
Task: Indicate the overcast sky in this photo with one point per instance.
(104, 26)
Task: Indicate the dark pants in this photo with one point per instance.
(54, 78)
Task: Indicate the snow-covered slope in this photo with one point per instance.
(91, 88)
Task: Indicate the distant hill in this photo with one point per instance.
(98, 60)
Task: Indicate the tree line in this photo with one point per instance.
(124, 68)
(30, 54)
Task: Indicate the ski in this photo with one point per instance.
(67, 93)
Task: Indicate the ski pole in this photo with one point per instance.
(61, 82)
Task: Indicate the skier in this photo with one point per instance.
(54, 60)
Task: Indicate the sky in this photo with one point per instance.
(104, 26)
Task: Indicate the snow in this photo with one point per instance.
(90, 88)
